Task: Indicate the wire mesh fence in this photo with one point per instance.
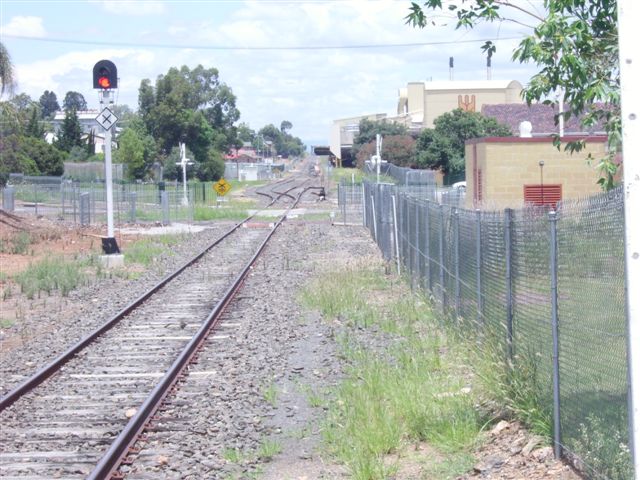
(85, 203)
(544, 289)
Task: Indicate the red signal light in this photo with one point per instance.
(104, 82)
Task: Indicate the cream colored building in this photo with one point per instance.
(509, 172)
(343, 132)
(420, 103)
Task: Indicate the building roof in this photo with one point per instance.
(471, 85)
(540, 115)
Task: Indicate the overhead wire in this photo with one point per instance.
(253, 47)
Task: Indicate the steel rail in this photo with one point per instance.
(108, 466)
(52, 367)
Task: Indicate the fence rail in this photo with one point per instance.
(85, 203)
(546, 288)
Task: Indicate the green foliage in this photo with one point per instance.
(403, 394)
(74, 101)
(70, 132)
(274, 141)
(212, 169)
(442, 147)
(7, 81)
(34, 127)
(397, 149)
(604, 450)
(189, 106)
(30, 156)
(130, 152)
(49, 104)
(145, 251)
(16, 245)
(49, 275)
(575, 45)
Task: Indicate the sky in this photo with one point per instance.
(308, 62)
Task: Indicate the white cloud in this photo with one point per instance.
(134, 7)
(24, 27)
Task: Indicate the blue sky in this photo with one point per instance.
(54, 45)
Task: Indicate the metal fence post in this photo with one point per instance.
(164, 201)
(35, 197)
(456, 259)
(443, 295)
(416, 250)
(479, 315)
(395, 231)
(428, 246)
(374, 219)
(8, 198)
(508, 252)
(132, 206)
(364, 210)
(553, 266)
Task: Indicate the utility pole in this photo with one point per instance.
(628, 14)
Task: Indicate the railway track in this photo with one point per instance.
(100, 394)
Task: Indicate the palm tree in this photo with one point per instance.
(7, 81)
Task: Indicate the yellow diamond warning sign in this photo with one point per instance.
(222, 187)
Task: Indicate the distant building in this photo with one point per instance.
(343, 131)
(87, 120)
(246, 154)
(420, 103)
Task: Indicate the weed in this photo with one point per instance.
(411, 391)
(6, 323)
(233, 455)
(7, 293)
(21, 243)
(268, 449)
(603, 448)
(48, 275)
(270, 394)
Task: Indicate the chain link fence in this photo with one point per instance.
(85, 203)
(544, 289)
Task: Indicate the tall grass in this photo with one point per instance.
(146, 250)
(50, 274)
(408, 391)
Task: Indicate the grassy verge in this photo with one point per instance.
(145, 250)
(409, 391)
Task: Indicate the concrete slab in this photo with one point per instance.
(112, 261)
(164, 229)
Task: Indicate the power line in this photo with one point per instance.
(259, 48)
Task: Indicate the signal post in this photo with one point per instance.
(105, 79)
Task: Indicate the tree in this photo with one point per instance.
(285, 125)
(70, 132)
(212, 169)
(396, 149)
(190, 106)
(30, 156)
(245, 133)
(74, 101)
(49, 104)
(34, 126)
(7, 79)
(576, 47)
(48, 159)
(442, 147)
(368, 129)
(130, 152)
